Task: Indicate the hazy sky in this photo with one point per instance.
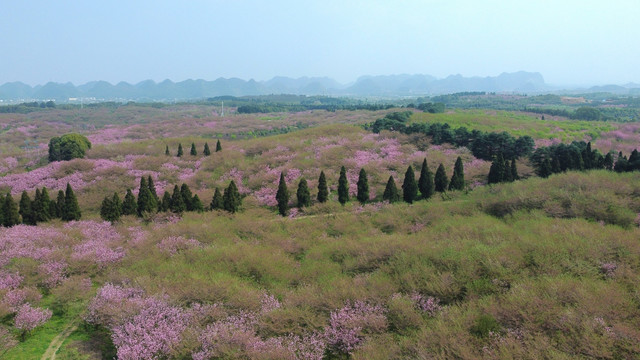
(573, 42)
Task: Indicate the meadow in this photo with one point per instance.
(537, 268)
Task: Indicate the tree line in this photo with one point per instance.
(41, 209)
(206, 151)
(424, 188)
(483, 145)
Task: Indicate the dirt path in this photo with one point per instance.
(55, 344)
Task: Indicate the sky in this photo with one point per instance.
(570, 42)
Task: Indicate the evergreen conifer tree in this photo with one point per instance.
(425, 182)
(129, 205)
(457, 179)
(545, 168)
(323, 190)
(46, 205)
(391, 191)
(496, 172)
(26, 211)
(196, 203)
(608, 161)
(177, 201)
(1, 210)
(555, 166)
(514, 171)
(343, 187)
(59, 204)
(71, 210)
(231, 198)
(155, 200)
(165, 204)
(187, 197)
(145, 199)
(409, 186)
(40, 207)
(11, 216)
(282, 196)
(217, 203)
(166, 150)
(180, 152)
(363, 187)
(303, 195)
(116, 206)
(507, 172)
(107, 212)
(206, 150)
(440, 180)
(218, 146)
(193, 151)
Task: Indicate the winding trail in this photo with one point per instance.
(55, 344)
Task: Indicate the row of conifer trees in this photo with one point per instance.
(206, 151)
(427, 185)
(179, 201)
(40, 209)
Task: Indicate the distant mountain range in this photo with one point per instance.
(365, 86)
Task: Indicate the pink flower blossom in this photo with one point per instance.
(348, 325)
(173, 244)
(28, 318)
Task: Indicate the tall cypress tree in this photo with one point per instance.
(231, 198)
(166, 150)
(193, 151)
(59, 204)
(496, 172)
(11, 215)
(363, 187)
(217, 203)
(1, 210)
(343, 187)
(391, 191)
(116, 206)
(129, 205)
(303, 195)
(425, 182)
(457, 179)
(165, 204)
(409, 186)
(206, 150)
(26, 211)
(440, 180)
(145, 199)
(196, 204)
(187, 197)
(177, 201)
(37, 208)
(514, 171)
(71, 210)
(282, 196)
(107, 212)
(544, 171)
(608, 161)
(218, 146)
(46, 205)
(155, 200)
(323, 190)
(180, 152)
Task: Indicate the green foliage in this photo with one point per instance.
(218, 146)
(217, 202)
(67, 147)
(59, 204)
(187, 197)
(193, 151)
(71, 209)
(42, 207)
(514, 171)
(26, 212)
(323, 190)
(196, 204)
(177, 204)
(302, 194)
(425, 182)
(206, 151)
(11, 216)
(391, 191)
(440, 179)
(457, 179)
(231, 199)
(180, 151)
(363, 187)
(282, 196)
(343, 187)
(146, 201)
(166, 150)
(129, 205)
(409, 186)
(155, 200)
(497, 170)
(111, 208)
(587, 113)
(484, 325)
(165, 204)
